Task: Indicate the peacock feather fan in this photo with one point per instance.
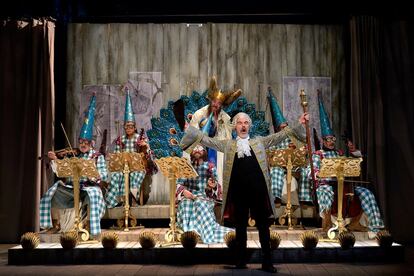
(230, 239)
(147, 239)
(309, 239)
(30, 240)
(69, 239)
(166, 134)
(384, 239)
(109, 240)
(189, 239)
(346, 239)
(275, 240)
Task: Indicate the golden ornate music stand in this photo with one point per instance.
(126, 162)
(76, 167)
(340, 168)
(173, 168)
(288, 158)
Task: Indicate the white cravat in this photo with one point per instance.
(243, 147)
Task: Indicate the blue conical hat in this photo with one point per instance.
(129, 114)
(87, 127)
(326, 129)
(277, 115)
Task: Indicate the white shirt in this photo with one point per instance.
(243, 147)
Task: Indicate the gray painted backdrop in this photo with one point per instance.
(248, 56)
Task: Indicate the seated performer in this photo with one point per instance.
(60, 195)
(196, 199)
(130, 142)
(300, 181)
(325, 191)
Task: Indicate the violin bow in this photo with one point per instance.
(67, 139)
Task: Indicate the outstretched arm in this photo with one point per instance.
(296, 133)
(193, 136)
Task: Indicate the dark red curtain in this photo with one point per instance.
(381, 110)
(398, 94)
(26, 122)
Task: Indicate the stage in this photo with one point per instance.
(129, 251)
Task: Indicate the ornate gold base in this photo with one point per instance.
(89, 242)
(132, 221)
(172, 237)
(83, 234)
(288, 217)
(329, 240)
(336, 230)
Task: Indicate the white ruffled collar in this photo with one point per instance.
(243, 147)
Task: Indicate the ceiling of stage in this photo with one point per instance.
(256, 11)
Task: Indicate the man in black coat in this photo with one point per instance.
(246, 185)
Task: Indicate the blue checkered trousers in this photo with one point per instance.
(278, 174)
(198, 215)
(117, 187)
(60, 195)
(325, 194)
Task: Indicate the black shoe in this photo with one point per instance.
(269, 268)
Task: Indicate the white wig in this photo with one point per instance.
(239, 115)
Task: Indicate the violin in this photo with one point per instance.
(67, 151)
(141, 138)
(148, 163)
(62, 153)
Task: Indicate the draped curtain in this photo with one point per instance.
(26, 121)
(381, 105)
(398, 94)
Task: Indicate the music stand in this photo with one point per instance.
(288, 158)
(126, 162)
(340, 168)
(77, 167)
(173, 168)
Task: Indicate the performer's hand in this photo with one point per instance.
(211, 183)
(351, 146)
(188, 194)
(304, 118)
(104, 185)
(142, 143)
(51, 155)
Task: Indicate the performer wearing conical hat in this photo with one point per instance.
(278, 174)
(325, 192)
(131, 141)
(60, 195)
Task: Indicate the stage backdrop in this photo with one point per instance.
(145, 92)
(160, 62)
(250, 56)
